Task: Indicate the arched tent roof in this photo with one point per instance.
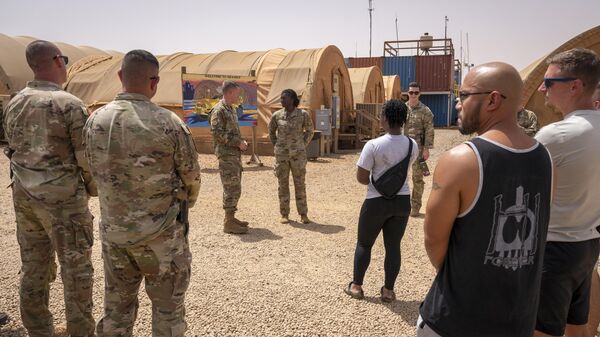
(367, 85)
(75, 53)
(392, 87)
(14, 71)
(310, 72)
(315, 74)
(13, 66)
(533, 75)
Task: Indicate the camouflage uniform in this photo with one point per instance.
(290, 133)
(50, 176)
(419, 126)
(144, 160)
(227, 138)
(527, 122)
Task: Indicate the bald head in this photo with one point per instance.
(501, 77)
(40, 54)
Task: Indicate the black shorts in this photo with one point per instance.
(566, 281)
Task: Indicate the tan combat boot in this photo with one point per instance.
(240, 222)
(284, 219)
(231, 226)
(305, 219)
(60, 331)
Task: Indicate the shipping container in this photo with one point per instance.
(365, 62)
(442, 108)
(403, 66)
(435, 72)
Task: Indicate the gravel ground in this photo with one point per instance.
(278, 280)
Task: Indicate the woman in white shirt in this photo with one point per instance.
(378, 213)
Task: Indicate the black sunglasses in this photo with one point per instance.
(463, 94)
(65, 58)
(413, 92)
(549, 81)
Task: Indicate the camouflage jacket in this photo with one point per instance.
(225, 130)
(290, 133)
(419, 125)
(528, 122)
(144, 161)
(43, 126)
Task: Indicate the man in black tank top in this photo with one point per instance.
(487, 217)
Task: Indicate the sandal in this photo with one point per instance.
(356, 295)
(387, 299)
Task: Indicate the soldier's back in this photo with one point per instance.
(130, 144)
(39, 123)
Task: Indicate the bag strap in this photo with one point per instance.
(402, 166)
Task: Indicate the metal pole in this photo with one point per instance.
(370, 25)
(445, 35)
(397, 38)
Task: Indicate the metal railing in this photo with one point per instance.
(437, 47)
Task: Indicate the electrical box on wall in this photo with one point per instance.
(323, 121)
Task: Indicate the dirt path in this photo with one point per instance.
(278, 280)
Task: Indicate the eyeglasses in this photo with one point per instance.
(65, 58)
(549, 81)
(413, 92)
(155, 78)
(463, 94)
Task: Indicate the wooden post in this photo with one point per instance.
(254, 159)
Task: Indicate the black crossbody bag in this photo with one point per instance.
(392, 180)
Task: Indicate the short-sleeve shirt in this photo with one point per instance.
(573, 144)
(382, 153)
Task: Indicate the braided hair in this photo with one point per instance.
(293, 95)
(395, 112)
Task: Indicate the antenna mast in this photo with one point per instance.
(445, 35)
(371, 9)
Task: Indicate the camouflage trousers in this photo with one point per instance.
(42, 230)
(297, 165)
(418, 187)
(164, 263)
(230, 168)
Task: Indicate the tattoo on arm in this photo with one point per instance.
(436, 186)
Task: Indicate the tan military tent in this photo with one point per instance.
(14, 71)
(533, 75)
(367, 85)
(392, 87)
(315, 74)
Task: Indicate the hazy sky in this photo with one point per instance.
(514, 31)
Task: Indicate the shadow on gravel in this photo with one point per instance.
(259, 234)
(257, 168)
(408, 310)
(12, 332)
(317, 227)
(246, 168)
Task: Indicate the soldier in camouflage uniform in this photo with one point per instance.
(419, 126)
(527, 121)
(229, 145)
(146, 166)
(290, 131)
(51, 185)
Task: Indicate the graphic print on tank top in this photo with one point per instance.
(514, 233)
